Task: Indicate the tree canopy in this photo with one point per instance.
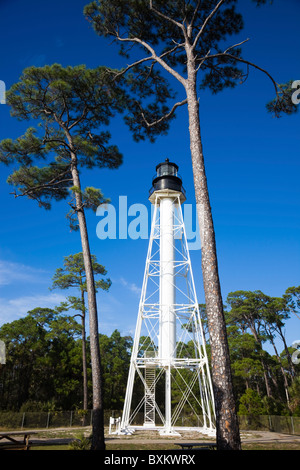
(73, 274)
(70, 106)
(163, 32)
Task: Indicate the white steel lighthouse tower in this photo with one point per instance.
(169, 385)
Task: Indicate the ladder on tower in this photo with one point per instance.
(149, 415)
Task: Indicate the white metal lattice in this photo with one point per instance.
(181, 366)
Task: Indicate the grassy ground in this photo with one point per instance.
(59, 439)
(254, 446)
(139, 441)
(271, 446)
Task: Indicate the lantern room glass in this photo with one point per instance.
(167, 169)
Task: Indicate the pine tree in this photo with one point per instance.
(70, 105)
(73, 275)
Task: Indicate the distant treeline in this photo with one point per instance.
(43, 370)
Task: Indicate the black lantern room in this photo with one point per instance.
(167, 178)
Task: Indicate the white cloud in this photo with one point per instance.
(131, 286)
(13, 309)
(17, 272)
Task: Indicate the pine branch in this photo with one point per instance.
(194, 15)
(153, 56)
(77, 121)
(168, 18)
(239, 59)
(165, 117)
(208, 18)
(236, 45)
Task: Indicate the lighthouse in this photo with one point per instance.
(169, 367)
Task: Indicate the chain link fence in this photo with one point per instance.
(44, 420)
(10, 420)
(280, 424)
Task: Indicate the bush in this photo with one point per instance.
(80, 443)
(251, 404)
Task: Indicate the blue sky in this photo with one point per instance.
(252, 163)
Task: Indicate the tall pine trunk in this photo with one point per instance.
(283, 372)
(262, 360)
(84, 361)
(228, 436)
(289, 358)
(98, 442)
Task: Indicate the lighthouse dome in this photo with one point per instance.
(167, 177)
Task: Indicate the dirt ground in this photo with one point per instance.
(246, 437)
(65, 436)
